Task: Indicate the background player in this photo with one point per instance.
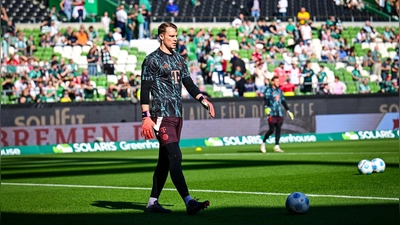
(164, 72)
(274, 99)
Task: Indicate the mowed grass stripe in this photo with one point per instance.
(197, 190)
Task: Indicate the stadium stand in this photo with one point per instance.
(45, 64)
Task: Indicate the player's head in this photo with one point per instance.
(167, 34)
(275, 82)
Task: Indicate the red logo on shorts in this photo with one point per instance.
(165, 137)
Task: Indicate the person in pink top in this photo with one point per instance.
(338, 87)
(280, 73)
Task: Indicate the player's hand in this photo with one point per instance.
(209, 106)
(147, 128)
(290, 114)
(267, 111)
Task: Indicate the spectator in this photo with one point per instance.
(307, 73)
(237, 22)
(282, 8)
(298, 49)
(181, 49)
(356, 74)
(146, 21)
(321, 75)
(331, 22)
(93, 35)
(72, 68)
(288, 88)
(53, 29)
(73, 91)
(254, 6)
(236, 62)
(280, 73)
(110, 93)
(294, 73)
(367, 59)
(281, 46)
(119, 40)
(367, 27)
(256, 55)
(4, 23)
(8, 87)
(20, 45)
(221, 37)
(260, 74)
(123, 86)
(306, 32)
(395, 68)
(93, 59)
(303, 16)
(196, 2)
(79, 12)
(386, 68)
(373, 35)
(218, 61)
(65, 97)
(172, 8)
(109, 39)
(364, 87)
(130, 26)
(240, 87)
(60, 40)
(387, 85)
(51, 92)
(105, 20)
(376, 60)
(381, 4)
(351, 59)
(338, 87)
(35, 74)
(361, 36)
(290, 27)
(121, 19)
(388, 35)
(82, 36)
(342, 53)
(323, 90)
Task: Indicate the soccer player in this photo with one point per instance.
(274, 99)
(164, 71)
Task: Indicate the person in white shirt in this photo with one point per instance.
(295, 73)
(298, 49)
(306, 32)
(237, 22)
(119, 40)
(282, 8)
(105, 20)
(122, 17)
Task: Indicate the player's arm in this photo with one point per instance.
(195, 93)
(145, 88)
(290, 114)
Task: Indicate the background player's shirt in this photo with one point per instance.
(166, 71)
(274, 98)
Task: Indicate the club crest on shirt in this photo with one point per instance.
(277, 98)
(179, 64)
(165, 66)
(163, 129)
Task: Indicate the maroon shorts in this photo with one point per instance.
(275, 119)
(169, 129)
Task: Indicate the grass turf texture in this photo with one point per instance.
(328, 168)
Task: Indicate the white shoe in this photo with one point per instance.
(262, 148)
(278, 149)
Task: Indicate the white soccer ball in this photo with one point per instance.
(365, 167)
(297, 203)
(378, 165)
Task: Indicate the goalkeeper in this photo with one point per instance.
(274, 100)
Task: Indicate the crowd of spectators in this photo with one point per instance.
(289, 48)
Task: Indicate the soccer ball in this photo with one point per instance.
(365, 167)
(297, 203)
(378, 165)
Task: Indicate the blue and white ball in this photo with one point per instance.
(297, 203)
(378, 165)
(365, 167)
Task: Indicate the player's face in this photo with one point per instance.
(276, 82)
(169, 39)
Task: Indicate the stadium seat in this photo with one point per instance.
(112, 79)
(234, 45)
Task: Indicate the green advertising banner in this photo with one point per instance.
(201, 142)
(91, 7)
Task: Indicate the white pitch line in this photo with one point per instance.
(199, 190)
(295, 153)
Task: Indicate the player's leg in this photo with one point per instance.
(278, 127)
(267, 134)
(159, 177)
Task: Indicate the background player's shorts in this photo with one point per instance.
(275, 119)
(169, 129)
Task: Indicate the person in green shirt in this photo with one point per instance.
(147, 4)
(395, 68)
(54, 72)
(331, 21)
(280, 45)
(35, 74)
(321, 75)
(307, 73)
(290, 27)
(351, 59)
(208, 67)
(356, 75)
(109, 39)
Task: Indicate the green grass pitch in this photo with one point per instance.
(243, 185)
